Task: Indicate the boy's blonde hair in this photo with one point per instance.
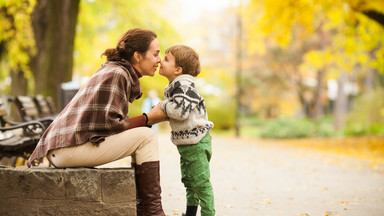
(186, 58)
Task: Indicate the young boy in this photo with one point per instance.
(190, 126)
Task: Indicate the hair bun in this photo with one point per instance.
(112, 54)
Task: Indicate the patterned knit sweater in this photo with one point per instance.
(186, 111)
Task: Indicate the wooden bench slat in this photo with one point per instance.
(19, 139)
(42, 105)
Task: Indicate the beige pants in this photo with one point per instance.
(141, 143)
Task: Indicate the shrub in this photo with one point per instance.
(367, 115)
(296, 128)
(221, 114)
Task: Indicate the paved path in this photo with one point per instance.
(252, 177)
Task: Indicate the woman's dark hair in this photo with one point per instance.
(134, 40)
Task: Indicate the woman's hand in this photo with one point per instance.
(156, 115)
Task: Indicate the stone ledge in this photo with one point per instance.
(77, 191)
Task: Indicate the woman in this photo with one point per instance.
(94, 128)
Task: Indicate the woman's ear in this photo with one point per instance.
(137, 56)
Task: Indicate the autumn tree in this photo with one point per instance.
(54, 25)
(37, 43)
(348, 42)
(16, 44)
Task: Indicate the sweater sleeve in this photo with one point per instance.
(183, 99)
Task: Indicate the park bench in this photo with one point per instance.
(29, 111)
(45, 106)
(51, 105)
(18, 139)
(42, 106)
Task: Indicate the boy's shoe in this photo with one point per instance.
(191, 211)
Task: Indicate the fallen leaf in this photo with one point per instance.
(344, 202)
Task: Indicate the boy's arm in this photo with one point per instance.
(183, 100)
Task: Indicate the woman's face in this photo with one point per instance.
(148, 64)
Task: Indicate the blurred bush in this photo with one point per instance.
(297, 128)
(221, 113)
(367, 114)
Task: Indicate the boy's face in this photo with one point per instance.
(168, 67)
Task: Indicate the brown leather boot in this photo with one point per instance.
(148, 196)
(138, 198)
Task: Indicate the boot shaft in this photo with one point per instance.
(148, 189)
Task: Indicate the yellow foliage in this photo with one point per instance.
(368, 148)
(365, 5)
(352, 35)
(17, 34)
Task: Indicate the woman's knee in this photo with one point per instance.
(141, 136)
(149, 147)
(149, 136)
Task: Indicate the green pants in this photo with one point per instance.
(195, 174)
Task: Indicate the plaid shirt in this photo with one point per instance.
(98, 110)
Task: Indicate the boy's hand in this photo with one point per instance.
(159, 104)
(156, 115)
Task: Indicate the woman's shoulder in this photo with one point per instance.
(112, 65)
(110, 68)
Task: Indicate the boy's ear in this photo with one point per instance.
(137, 56)
(179, 71)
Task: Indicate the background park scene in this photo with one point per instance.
(295, 89)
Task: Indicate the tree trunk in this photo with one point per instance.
(376, 16)
(369, 80)
(341, 104)
(19, 86)
(54, 24)
(239, 88)
(319, 94)
(319, 97)
(370, 76)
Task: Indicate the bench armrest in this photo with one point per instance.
(30, 128)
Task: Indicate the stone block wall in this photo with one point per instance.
(78, 191)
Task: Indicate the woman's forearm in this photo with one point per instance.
(138, 121)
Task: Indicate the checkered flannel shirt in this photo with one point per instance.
(98, 110)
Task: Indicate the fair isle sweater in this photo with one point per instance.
(186, 111)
